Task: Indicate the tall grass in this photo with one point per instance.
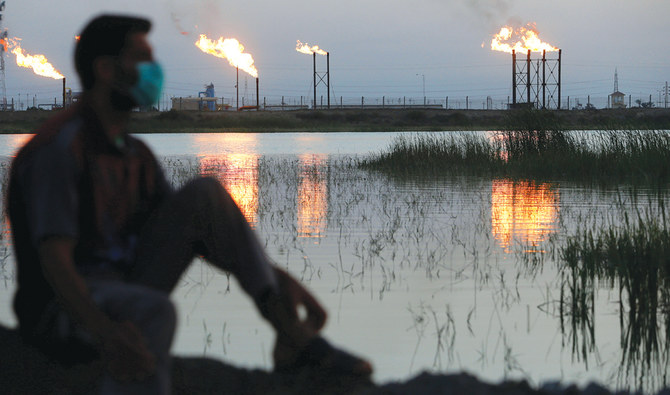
(532, 148)
(436, 153)
(633, 258)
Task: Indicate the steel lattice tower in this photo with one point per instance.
(3, 44)
(321, 77)
(537, 81)
(616, 80)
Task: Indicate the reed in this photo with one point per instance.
(633, 258)
(532, 146)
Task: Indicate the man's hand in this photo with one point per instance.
(125, 352)
(294, 313)
(298, 344)
(121, 344)
(294, 297)
(294, 331)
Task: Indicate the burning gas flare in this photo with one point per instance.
(306, 49)
(520, 39)
(38, 63)
(230, 49)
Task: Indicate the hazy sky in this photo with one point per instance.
(378, 48)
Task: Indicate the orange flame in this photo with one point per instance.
(3, 43)
(230, 49)
(520, 39)
(306, 49)
(38, 63)
(76, 38)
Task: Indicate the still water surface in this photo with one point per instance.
(444, 275)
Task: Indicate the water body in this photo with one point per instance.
(444, 275)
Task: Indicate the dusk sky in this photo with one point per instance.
(378, 48)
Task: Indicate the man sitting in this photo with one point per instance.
(101, 239)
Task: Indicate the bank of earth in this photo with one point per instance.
(364, 120)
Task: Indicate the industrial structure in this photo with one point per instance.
(237, 93)
(616, 98)
(3, 49)
(320, 77)
(209, 96)
(206, 101)
(536, 83)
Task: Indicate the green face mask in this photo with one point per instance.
(147, 89)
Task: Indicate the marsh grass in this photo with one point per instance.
(532, 146)
(634, 259)
(376, 237)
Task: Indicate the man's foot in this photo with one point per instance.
(320, 354)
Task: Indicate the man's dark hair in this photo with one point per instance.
(105, 35)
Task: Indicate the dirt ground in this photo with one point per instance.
(24, 370)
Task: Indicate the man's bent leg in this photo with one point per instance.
(201, 218)
(153, 314)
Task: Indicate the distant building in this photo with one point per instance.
(193, 103)
(206, 101)
(616, 98)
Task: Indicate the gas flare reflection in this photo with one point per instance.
(312, 196)
(523, 212)
(238, 173)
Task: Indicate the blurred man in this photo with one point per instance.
(101, 238)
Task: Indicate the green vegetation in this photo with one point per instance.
(633, 258)
(534, 145)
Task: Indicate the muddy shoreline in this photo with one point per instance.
(24, 370)
(363, 120)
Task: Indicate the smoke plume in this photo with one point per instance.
(195, 16)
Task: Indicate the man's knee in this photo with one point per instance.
(149, 309)
(157, 320)
(207, 193)
(203, 188)
(158, 311)
(203, 185)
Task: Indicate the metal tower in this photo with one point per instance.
(538, 81)
(3, 48)
(616, 80)
(321, 77)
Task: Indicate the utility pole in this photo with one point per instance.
(423, 78)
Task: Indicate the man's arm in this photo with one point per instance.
(121, 344)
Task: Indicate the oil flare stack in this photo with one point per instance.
(538, 80)
(314, 50)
